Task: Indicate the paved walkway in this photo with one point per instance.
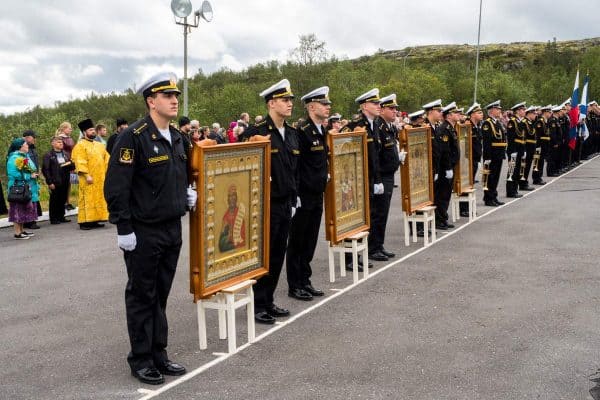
(502, 308)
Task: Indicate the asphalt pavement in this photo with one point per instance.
(505, 307)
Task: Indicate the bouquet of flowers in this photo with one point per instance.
(23, 165)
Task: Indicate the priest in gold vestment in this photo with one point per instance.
(91, 161)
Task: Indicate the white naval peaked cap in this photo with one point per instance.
(519, 105)
(557, 108)
(434, 105)
(335, 117)
(460, 110)
(388, 101)
(475, 107)
(592, 103)
(320, 95)
(547, 108)
(370, 96)
(567, 101)
(495, 104)
(278, 90)
(416, 114)
(531, 109)
(163, 82)
(449, 108)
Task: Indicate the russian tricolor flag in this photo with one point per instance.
(574, 114)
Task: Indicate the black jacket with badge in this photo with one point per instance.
(312, 164)
(284, 158)
(494, 139)
(389, 160)
(373, 146)
(147, 176)
(555, 131)
(56, 172)
(447, 147)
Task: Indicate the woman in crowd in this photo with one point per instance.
(231, 137)
(64, 132)
(20, 167)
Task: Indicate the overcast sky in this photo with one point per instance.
(54, 50)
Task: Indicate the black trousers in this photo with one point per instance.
(493, 179)
(58, 198)
(528, 163)
(281, 214)
(302, 242)
(380, 209)
(442, 192)
(150, 268)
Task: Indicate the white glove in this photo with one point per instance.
(378, 188)
(435, 177)
(127, 242)
(538, 149)
(449, 174)
(524, 154)
(487, 162)
(192, 197)
(293, 211)
(478, 164)
(328, 177)
(402, 155)
(513, 155)
(298, 202)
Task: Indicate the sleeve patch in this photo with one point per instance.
(125, 155)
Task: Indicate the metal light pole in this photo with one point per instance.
(181, 10)
(477, 59)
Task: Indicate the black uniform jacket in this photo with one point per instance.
(147, 177)
(515, 135)
(494, 139)
(555, 131)
(284, 158)
(447, 147)
(389, 160)
(476, 141)
(312, 166)
(373, 147)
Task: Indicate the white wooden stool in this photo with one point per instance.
(352, 244)
(468, 196)
(225, 303)
(426, 215)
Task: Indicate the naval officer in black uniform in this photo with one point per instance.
(285, 153)
(494, 147)
(312, 173)
(147, 194)
(389, 162)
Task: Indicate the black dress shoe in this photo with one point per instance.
(171, 368)
(97, 225)
(69, 207)
(31, 225)
(275, 311)
(53, 222)
(499, 203)
(539, 183)
(442, 226)
(464, 213)
(378, 256)
(526, 188)
(360, 267)
(360, 262)
(386, 253)
(65, 220)
(149, 375)
(264, 317)
(315, 292)
(84, 226)
(449, 225)
(300, 294)
(491, 203)
(514, 195)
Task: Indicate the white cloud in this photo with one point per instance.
(66, 48)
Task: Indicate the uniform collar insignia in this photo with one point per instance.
(155, 149)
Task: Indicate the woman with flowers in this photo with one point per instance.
(19, 167)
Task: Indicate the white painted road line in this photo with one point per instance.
(281, 324)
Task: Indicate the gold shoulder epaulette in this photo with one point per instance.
(140, 129)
